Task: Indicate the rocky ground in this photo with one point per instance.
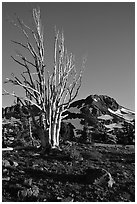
(78, 173)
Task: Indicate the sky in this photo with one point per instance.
(104, 32)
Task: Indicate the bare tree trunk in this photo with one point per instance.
(43, 135)
(56, 126)
(43, 132)
(54, 145)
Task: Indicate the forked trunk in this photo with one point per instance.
(56, 129)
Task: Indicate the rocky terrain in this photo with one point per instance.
(80, 173)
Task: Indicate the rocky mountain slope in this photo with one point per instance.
(100, 115)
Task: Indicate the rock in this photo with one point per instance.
(68, 199)
(6, 163)
(15, 164)
(6, 179)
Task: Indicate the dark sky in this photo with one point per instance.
(104, 32)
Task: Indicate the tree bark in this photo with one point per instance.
(44, 137)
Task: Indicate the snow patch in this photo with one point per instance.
(105, 117)
(125, 110)
(74, 110)
(95, 100)
(128, 116)
(75, 122)
(113, 125)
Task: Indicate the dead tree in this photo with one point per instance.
(50, 93)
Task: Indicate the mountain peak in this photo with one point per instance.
(100, 102)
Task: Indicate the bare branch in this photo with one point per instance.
(19, 43)
(18, 61)
(18, 82)
(23, 98)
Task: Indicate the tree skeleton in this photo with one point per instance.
(51, 93)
